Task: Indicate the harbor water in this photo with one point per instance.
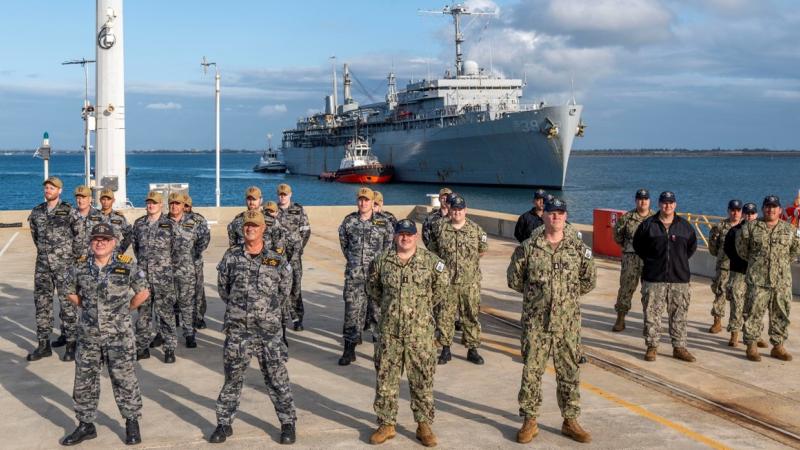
(702, 184)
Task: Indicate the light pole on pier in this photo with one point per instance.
(87, 112)
(205, 65)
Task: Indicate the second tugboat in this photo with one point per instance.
(270, 161)
(359, 166)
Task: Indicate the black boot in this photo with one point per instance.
(445, 356)
(200, 324)
(583, 360)
(287, 433)
(69, 352)
(349, 354)
(42, 351)
(143, 354)
(169, 356)
(190, 342)
(84, 432)
(60, 342)
(298, 325)
(474, 357)
(283, 336)
(157, 341)
(132, 435)
(221, 433)
(457, 325)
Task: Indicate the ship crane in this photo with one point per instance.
(457, 11)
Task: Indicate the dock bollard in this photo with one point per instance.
(434, 200)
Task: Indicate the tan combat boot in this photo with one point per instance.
(619, 325)
(717, 327)
(762, 343)
(734, 341)
(572, 429)
(752, 352)
(780, 352)
(529, 430)
(682, 354)
(383, 434)
(425, 434)
(651, 354)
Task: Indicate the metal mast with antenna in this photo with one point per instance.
(87, 113)
(206, 65)
(457, 11)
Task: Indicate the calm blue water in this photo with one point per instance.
(702, 184)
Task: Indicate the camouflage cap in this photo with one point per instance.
(187, 199)
(55, 181)
(539, 193)
(405, 226)
(556, 204)
(284, 189)
(666, 197)
(377, 197)
(771, 200)
(366, 193)
(271, 206)
(253, 217)
(642, 194)
(445, 191)
(735, 204)
(176, 197)
(107, 193)
(154, 196)
(253, 191)
(102, 230)
(83, 191)
(749, 208)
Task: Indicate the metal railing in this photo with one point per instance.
(702, 223)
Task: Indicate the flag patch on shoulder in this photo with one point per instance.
(587, 254)
(439, 266)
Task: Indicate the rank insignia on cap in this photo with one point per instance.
(587, 254)
(439, 266)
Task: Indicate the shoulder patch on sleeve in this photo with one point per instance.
(439, 266)
(579, 234)
(587, 253)
(279, 250)
(82, 258)
(124, 258)
(483, 237)
(798, 232)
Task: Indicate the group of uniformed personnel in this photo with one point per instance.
(409, 297)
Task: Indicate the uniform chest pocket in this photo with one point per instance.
(118, 284)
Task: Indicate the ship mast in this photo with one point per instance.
(457, 11)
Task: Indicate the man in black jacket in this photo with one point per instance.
(665, 242)
(531, 220)
(737, 286)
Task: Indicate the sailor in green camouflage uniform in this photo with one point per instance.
(737, 286)
(460, 242)
(436, 215)
(294, 220)
(363, 235)
(54, 230)
(716, 243)
(631, 270)
(407, 281)
(122, 230)
(769, 245)
(100, 285)
(552, 270)
(254, 282)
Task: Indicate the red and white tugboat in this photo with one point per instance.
(360, 166)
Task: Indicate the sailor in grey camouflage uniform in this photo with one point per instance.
(252, 199)
(122, 230)
(153, 247)
(186, 236)
(552, 270)
(716, 244)
(294, 220)
(275, 236)
(433, 217)
(100, 285)
(363, 235)
(86, 217)
(254, 282)
(54, 231)
(200, 246)
(377, 206)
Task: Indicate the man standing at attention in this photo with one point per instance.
(716, 244)
(118, 222)
(665, 242)
(293, 218)
(436, 214)
(631, 270)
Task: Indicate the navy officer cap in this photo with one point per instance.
(771, 200)
(457, 202)
(539, 193)
(735, 204)
(548, 198)
(642, 194)
(405, 226)
(666, 197)
(749, 208)
(555, 205)
(102, 230)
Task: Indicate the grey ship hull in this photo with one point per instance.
(510, 151)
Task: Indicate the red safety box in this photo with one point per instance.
(603, 232)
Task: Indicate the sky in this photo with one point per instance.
(650, 73)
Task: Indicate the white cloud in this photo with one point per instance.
(164, 106)
(783, 94)
(272, 110)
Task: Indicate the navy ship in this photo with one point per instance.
(468, 127)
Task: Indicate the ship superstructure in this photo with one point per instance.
(468, 127)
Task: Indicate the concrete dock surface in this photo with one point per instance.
(626, 402)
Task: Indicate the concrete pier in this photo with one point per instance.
(476, 406)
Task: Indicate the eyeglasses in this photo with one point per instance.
(99, 239)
